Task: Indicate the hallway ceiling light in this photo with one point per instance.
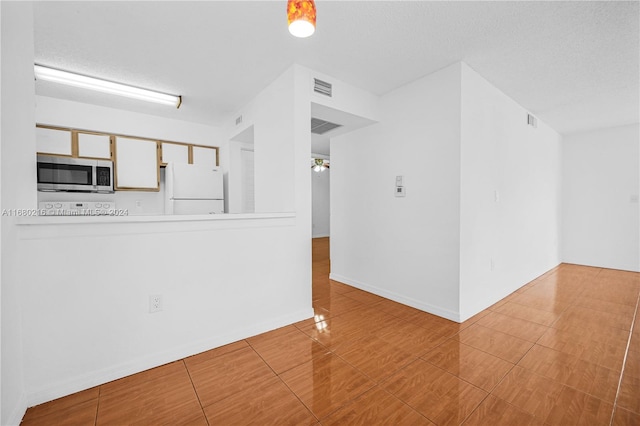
(301, 15)
(85, 82)
(319, 165)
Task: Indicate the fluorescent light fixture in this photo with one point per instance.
(85, 82)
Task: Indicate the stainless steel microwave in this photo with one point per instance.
(74, 174)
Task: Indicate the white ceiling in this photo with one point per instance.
(573, 64)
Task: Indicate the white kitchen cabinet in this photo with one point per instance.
(175, 153)
(53, 141)
(94, 146)
(136, 164)
(205, 156)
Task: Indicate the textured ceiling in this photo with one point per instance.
(573, 64)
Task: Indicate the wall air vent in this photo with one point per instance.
(322, 87)
(238, 120)
(320, 127)
(532, 121)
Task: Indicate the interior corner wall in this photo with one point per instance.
(18, 166)
(301, 138)
(600, 187)
(405, 249)
(510, 196)
(270, 113)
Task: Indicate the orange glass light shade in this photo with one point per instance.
(301, 15)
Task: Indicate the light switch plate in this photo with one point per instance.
(398, 180)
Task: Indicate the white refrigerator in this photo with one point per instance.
(193, 189)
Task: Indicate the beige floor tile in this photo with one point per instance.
(374, 357)
(268, 403)
(629, 396)
(436, 394)
(376, 407)
(166, 399)
(225, 375)
(326, 384)
(525, 330)
(76, 409)
(527, 313)
(549, 363)
(496, 343)
(494, 411)
(471, 365)
(286, 350)
(624, 417)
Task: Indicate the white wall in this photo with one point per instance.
(65, 113)
(273, 144)
(235, 176)
(345, 97)
(87, 319)
(600, 186)
(406, 249)
(18, 147)
(448, 247)
(320, 202)
(510, 189)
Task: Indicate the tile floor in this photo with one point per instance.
(561, 350)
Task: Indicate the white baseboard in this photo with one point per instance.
(320, 236)
(432, 309)
(17, 413)
(114, 372)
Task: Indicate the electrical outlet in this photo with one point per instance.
(155, 303)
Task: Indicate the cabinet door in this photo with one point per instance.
(175, 153)
(53, 141)
(136, 164)
(205, 156)
(94, 146)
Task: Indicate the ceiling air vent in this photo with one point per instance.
(322, 87)
(532, 121)
(320, 127)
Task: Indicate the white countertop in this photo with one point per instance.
(73, 220)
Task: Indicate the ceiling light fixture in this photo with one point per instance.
(85, 82)
(319, 165)
(301, 15)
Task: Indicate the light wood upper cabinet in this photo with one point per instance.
(136, 164)
(205, 156)
(53, 141)
(175, 153)
(136, 161)
(94, 146)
